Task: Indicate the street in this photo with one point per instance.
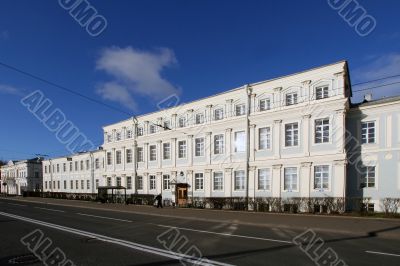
(89, 236)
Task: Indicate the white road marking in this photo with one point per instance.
(103, 217)
(16, 204)
(53, 210)
(132, 245)
(225, 234)
(383, 253)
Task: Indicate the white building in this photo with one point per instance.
(20, 176)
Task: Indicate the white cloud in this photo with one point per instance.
(7, 89)
(138, 72)
(377, 67)
(115, 92)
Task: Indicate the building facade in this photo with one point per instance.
(285, 138)
(20, 176)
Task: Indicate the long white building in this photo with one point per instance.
(284, 138)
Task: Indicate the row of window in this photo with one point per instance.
(264, 104)
(73, 166)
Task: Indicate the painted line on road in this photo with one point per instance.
(383, 253)
(16, 204)
(125, 243)
(226, 234)
(103, 217)
(47, 209)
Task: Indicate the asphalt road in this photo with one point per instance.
(102, 237)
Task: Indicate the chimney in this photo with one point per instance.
(368, 97)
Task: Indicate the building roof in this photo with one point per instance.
(376, 102)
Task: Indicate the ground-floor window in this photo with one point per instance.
(198, 181)
(109, 181)
(166, 182)
(264, 179)
(218, 182)
(321, 177)
(65, 184)
(118, 181)
(152, 182)
(140, 182)
(97, 183)
(129, 182)
(367, 176)
(87, 184)
(290, 179)
(239, 180)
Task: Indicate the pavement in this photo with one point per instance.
(89, 233)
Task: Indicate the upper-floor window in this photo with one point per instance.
(153, 129)
(290, 178)
(109, 138)
(218, 114)
(166, 151)
(265, 104)
(153, 152)
(140, 131)
(45, 169)
(140, 156)
(198, 181)
(240, 141)
(109, 158)
(128, 156)
(167, 125)
(70, 166)
(58, 168)
(199, 147)
(291, 98)
(321, 92)
(219, 144)
(82, 167)
(97, 163)
(129, 134)
(321, 177)
(76, 165)
(240, 109)
(322, 130)
(367, 176)
(264, 138)
(87, 165)
(239, 180)
(118, 136)
(199, 118)
(118, 156)
(264, 179)
(368, 132)
(182, 122)
(64, 167)
(291, 134)
(182, 149)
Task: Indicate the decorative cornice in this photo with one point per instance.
(278, 89)
(277, 166)
(307, 116)
(340, 162)
(306, 82)
(189, 172)
(278, 121)
(306, 164)
(207, 171)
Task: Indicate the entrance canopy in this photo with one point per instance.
(112, 194)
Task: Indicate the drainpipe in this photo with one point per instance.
(92, 171)
(135, 153)
(51, 176)
(248, 92)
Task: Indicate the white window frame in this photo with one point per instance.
(219, 144)
(291, 98)
(199, 148)
(322, 171)
(220, 112)
(268, 138)
(152, 153)
(361, 177)
(182, 153)
(129, 157)
(367, 133)
(236, 146)
(199, 118)
(199, 181)
(319, 129)
(266, 102)
(240, 109)
(166, 182)
(181, 122)
(152, 182)
(221, 183)
(324, 94)
(139, 182)
(128, 182)
(267, 180)
(291, 183)
(118, 157)
(166, 151)
(140, 154)
(140, 131)
(109, 159)
(293, 139)
(241, 185)
(152, 129)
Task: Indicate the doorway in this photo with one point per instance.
(181, 195)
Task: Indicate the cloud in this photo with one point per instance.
(377, 67)
(7, 89)
(136, 73)
(115, 92)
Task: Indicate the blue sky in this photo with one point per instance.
(151, 49)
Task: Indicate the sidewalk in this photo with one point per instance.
(359, 226)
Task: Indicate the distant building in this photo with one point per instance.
(20, 176)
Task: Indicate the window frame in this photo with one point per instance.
(268, 138)
(268, 179)
(199, 186)
(293, 142)
(296, 172)
(242, 183)
(221, 183)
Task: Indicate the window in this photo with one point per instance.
(97, 163)
(240, 141)
(264, 138)
(58, 168)
(182, 149)
(71, 184)
(218, 181)
(367, 176)
(265, 104)
(199, 119)
(109, 158)
(153, 129)
(264, 179)
(87, 165)
(291, 134)
(64, 167)
(118, 136)
(321, 177)
(152, 182)
(109, 138)
(109, 183)
(167, 125)
(45, 184)
(140, 131)
(140, 154)
(118, 156)
(322, 130)
(119, 183)
(58, 184)
(321, 92)
(128, 182)
(166, 182)
(82, 166)
(198, 181)
(166, 151)
(182, 122)
(45, 169)
(240, 109)
(219, 144)
(153, 152)
(70, 166)
(290, 179)
(87, 184)
(128, 156)
(239, 180)
(82, 184)
(140, 182)
(199, 147)
(129, 134)
(219, 114)
(291, 98)
(76, 166)
(97, 184)
(368, 132)
(65, 184)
